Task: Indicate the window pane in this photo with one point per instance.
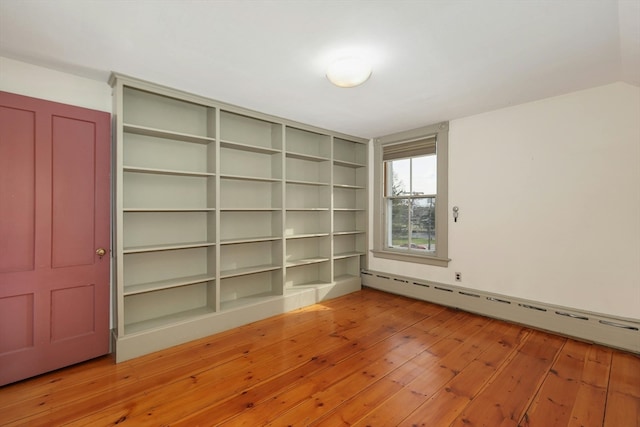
(423, 224)
(424, 174)
(398, 232)
(398, 177)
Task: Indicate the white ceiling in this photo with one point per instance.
(433, 60)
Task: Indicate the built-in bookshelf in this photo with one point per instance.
(349, 208)
(225, 215)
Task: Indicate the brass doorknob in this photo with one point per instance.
(100, 252)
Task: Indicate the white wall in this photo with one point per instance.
(549, 193)
(549, 198)
(45, 83)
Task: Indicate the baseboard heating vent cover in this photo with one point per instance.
(598, 328)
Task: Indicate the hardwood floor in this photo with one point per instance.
(365, 359)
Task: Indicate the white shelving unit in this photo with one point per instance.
(224, 216)
(349, 209)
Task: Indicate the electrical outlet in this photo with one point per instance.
(458, 277)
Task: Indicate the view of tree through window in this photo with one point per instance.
(410, 201)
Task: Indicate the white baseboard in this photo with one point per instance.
(614, 332)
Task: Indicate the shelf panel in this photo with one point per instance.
(168, 209)
(248, 147)
(348, 164)
(305, 261)
(347, 255)
(249, 240)
(344, 233)
(353, 187)
(224, 274)
(165, 171)
(169, 319)
(308, 209)
(166, 284)
(305, 236)
(157, 248)
(310, 284)
(160, 133)
(344, 277)
(243, 302)
(319, 184)
(250, 209)
(309, 157)
(249, 178)
(348, 210)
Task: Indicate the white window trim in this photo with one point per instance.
(440, 259)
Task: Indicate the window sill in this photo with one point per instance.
(417, 259)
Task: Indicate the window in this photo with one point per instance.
(409, 202)
(410, 212)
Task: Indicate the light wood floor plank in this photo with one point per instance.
(470, 374)
(374, 347)
(245, 371)
(467, 345)
(364, 359)
(623, 398)
(507, 394)
(435, 369)
(569, 382)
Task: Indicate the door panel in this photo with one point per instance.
(54, 206)
(72, 312)
(17, 189)
(73, 192)
(17, 311)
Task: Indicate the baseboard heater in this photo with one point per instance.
(620, 333)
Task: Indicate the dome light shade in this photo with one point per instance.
(348, 72)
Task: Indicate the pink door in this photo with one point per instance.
(54, 219)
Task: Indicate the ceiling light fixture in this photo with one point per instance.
(348, 72)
